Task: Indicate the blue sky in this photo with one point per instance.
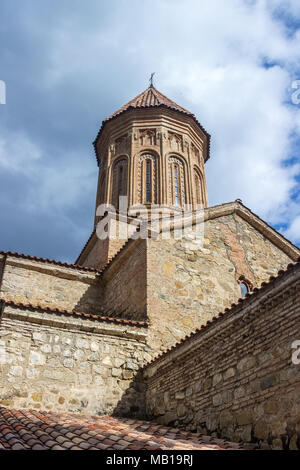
(68, 64)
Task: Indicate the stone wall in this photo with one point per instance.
(235, 377)
(125, 283)
(50, 285)
(190, 282)
(70, 363)
(2, 262)
(97, 252)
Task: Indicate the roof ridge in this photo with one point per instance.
(172, 101)
(85, 246)
(73, 312)
(51, 261)
(130, 239)
(143, 100)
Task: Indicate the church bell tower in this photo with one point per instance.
(152, 151)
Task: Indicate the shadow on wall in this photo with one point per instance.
(92, 300)
(133, 401)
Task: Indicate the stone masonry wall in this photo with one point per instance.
(99, 252)
(97, 256)
(125, 283)
(49, 285)
(235, 378)
(64, 363)
(189, 283)
(2, 258)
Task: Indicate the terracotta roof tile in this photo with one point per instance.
(152, 98)
(148, 99)
(141, 435)
(89, 316)
(50, 261)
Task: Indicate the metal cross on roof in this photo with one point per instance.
(151, 79)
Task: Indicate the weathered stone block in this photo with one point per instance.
(229, 373)
(17, 371)
(268, 382)
(261, 430)
(245, 417)
(217, 378)
(181, 410)
(36, 358)
(37, 396)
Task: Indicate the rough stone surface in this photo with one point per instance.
(37, 283)
(189, 284)
(97, 372)
(236, 378)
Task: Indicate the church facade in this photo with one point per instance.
(83, 337)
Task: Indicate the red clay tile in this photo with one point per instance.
(61, 431)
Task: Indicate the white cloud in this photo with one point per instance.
(18, 153)
(208, 56)
(294, 230)
(54, 184)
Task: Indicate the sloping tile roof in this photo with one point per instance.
(74, 313)
(152, 98)
(50, 261)
(148, 99)
(41, 430)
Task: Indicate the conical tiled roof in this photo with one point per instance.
(152, 98)
(148, 99)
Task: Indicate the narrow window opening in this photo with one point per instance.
(244, 288)
(148, 181)
(121, 181)
(176, 186)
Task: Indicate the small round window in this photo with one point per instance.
(244, 288)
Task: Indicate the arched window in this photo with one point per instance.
(102, 188)
(198, 187)
(177, 182)
(245, 288)
(119, 183)
(176, 185)
(147, 179)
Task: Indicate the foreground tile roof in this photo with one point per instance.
(41, 430)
